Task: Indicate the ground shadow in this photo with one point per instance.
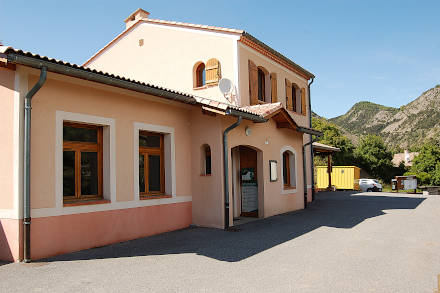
(5, 250)
(339, 210)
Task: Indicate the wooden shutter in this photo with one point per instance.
(303, 101)
(253, 83)
(273, 87)
(289, 95)
(213, 72)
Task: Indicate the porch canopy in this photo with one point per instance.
(320, 148)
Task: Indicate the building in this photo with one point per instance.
(106, 152)
(405, 157)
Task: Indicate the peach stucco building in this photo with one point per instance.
(114, 154)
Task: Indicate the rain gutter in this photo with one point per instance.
(87, 74)
(27, 165)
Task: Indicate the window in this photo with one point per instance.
(151, 164)
(294, 99)
(261, 85)
(82, 161)
(289, 176)
(206, 160)
(286, 169)
(206, 74)
(200, 75)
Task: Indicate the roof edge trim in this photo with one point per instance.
(269, 49)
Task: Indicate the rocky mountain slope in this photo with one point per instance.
(402, 127)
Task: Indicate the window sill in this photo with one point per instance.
(296, 113)
(205, 175)
(85, 202)
(147, 197)
(204, 87)
(289, 190)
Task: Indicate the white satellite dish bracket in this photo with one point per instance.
(228, 89)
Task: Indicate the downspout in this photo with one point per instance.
(312, 163)
(226, 168)
(27, 165)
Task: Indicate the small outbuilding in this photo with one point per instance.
(341, 177)
(323, 149)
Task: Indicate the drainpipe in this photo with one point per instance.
(226, 168)
(312, 164)
(304, 169)
(27, 165)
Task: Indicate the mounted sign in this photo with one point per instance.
(273, 170)
(249, 190)
(409, 184)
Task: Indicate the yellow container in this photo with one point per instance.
(343, 177)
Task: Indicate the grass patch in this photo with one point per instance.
(387, 188)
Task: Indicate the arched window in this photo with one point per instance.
(261, 85)
(200, 75)
(289, 175)
(206, 160)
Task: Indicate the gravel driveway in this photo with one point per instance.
(344, 242)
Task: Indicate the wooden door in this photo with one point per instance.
(248, 181)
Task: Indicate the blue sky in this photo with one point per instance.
(386, 52)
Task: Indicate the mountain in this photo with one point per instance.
(402, 127)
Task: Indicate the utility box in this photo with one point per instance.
(342, 177)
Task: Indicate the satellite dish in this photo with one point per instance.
(226, 86)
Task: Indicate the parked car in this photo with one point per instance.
(369, 185)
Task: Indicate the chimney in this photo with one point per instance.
(135, 16)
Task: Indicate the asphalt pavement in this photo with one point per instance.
(344, 242)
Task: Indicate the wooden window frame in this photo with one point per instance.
(78, 147)
(286, 165)
(199, 82)
(207, 153)
(261, 85)
(145, 151)
(294, 98)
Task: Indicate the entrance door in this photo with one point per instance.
(248, 182)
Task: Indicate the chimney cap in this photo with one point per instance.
(138, 14)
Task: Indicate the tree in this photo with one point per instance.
(373, 156)
(426, 166)
(333, 136)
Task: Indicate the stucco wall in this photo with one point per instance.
(6, 135)
(168, 56)
(245, 54)
(125, 110)
(275, 202)
(56, 235)
(10, 235)
(207, 190)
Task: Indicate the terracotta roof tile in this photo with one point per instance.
(197, 99)
(263, 109)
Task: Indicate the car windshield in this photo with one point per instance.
(376, 181)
